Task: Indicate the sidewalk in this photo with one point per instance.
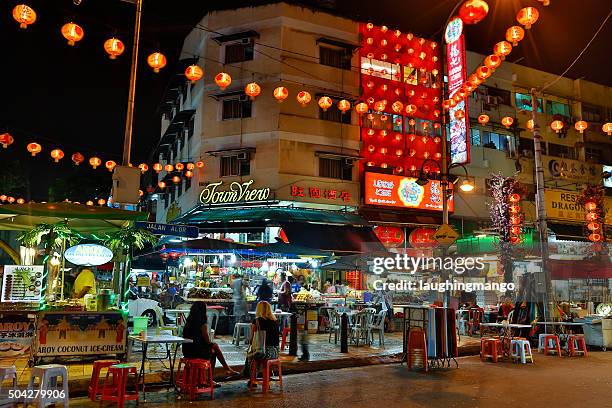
(323, 356)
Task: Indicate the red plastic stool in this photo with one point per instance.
(98, 365)
(286, 331)
(556, 348)
(267, 366)
(115, 388)
(491, 348)
(417, 348)
(576, 346)
(195, 376)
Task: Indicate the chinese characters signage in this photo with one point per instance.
(403, 192)
(236, 193)
(455, 54)
(561, 205)
(16, 334)
(319, 193)
(556, 168)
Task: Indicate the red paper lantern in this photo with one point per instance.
(492, 62)
(502, 49)
(223, 80)
(557, 125)
(361, 108)
(422, 238)
(6, 140)
(169, 168)
(507, 121)
(281, 93)
(581, 126)
(157, 167)
(514, 198)
(303, 98)
(483, 119)
(113, 47)
(110, 165)
(595, 237)
(194, 73)
(157, 61)
(72, 32)
(57, 154)
(179, 166)
(143, 168)
(34, 148)
(24, 15)
(527, 16)
(590, 206)
(344, 105)
(473, 11)
(252, 90)
(515, 34)
(390, 236)
(325, 102)
(77, 158)
(200, 164)
(95, 162)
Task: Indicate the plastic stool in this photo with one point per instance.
(521, 349)
(417, 349)
(48, 375)
(195, 376)
(9, 372)
(267, 366)
(115, 384)
(286, 331)
(576, 346)
(491, 348)
(93, 390)
(463, 327)
(242, 331)
(551, 343)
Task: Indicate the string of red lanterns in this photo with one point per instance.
(516, 218)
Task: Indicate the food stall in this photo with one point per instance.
(65, 240)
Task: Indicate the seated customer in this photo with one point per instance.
(264, 321)
(196, 329)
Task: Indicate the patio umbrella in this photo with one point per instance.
(289, 249)
(82, 218)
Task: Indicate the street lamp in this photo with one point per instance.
(467, 185)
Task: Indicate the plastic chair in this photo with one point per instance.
(378, 324)
(286, 331)
(195, 376)
(48, 375)
(10, 373)
(242, 331)
(267, 366)
(115, 384)
(551, 343)
(94, 383)
(334, 325)
(417, 348)
(360, 330)
(576, 346)
(213, 319)
(521, 350)
(491, 348)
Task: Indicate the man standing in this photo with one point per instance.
(85, 283)
(284, 293)
(240, 306)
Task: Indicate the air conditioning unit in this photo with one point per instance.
(243, 156)
(243, 98)
(348, 162)
(245, 41)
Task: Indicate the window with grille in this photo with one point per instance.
(239, 52)
(591, 113)
(232, 166)
(335, 168)
(236, 108)
(335, 57)
(561, 151)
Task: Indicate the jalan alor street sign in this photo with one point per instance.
(237, 193)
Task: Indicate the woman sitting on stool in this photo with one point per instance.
(264, 321)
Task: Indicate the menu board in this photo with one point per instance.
(22, 283)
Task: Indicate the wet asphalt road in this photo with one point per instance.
(550, 382)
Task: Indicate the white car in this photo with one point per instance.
(148, 308)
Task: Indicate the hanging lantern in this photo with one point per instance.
(325, 102)
(446, 104)
(397, 107)
(6, 140)
(157, 61)
(169, 168)
(57, 155)
(176, 179)
(530, 124)
(114, 47)
(157, 167)
(72, 32)
(200, 164)
(24, 15)
(411, 109)
(101, 201)
(581, 126)
(143, 168)
(362, 108)
(590, 206)
(77, 158)
(514, 209)
(492, 62)
(179, 166)
(527, 16)
(389, 236)
(595, 237)
(303, 98)
(515, 230)
(593, 226)
(515, 220)
(20, 201)
(34, 148)
(344, 105)
(502, 48)
(483, 119)
(514, 198)
(459, 114)
(252, 90)
(380, 105)
(190, 166)
(483, 72)
(95, 162)
(515, 34)
(591, 216)
(3, 197)
(194, 73)
(223, 80)
(507, 121)
(110, 165)
(11, 200)
(161, 185)
(423, 238)
(607, 128)
(189, 174)
(557, 125)
(281, 93)
(473, 11)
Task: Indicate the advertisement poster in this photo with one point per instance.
(69, 334)
(455, 55)
(22, 284)
(16, 334)
(403, 192)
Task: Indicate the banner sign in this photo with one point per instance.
(169, 229)
(73, 333)
(456, 70)
(557, 168)
(16, 334)
(403, 192)
(561, 205)
(88, 255)
(236, 193)
(22, 284)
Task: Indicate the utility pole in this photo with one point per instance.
(127, 141)
(541, 206)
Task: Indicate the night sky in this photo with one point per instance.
(74, 98)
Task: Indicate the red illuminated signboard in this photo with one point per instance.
(403, 192)
(455, 55)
